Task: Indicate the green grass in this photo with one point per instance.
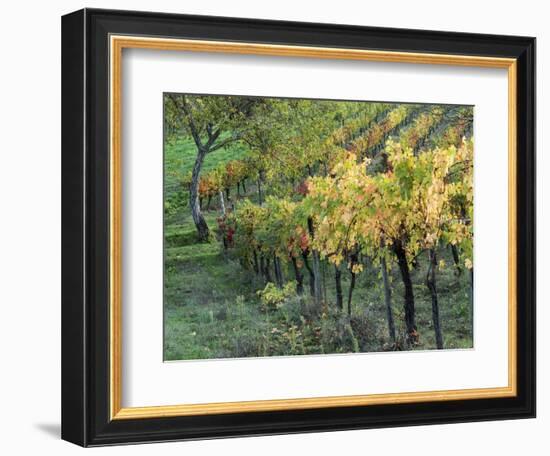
(179, 157)
(212, 309)
(201, 289)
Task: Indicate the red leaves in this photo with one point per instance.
(227, 230)
(302, 188)
(229, 236)
(304, 242)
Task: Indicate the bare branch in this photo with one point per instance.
(223, 143)
(212, 136)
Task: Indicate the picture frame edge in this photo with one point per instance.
(86, 416)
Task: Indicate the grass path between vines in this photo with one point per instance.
(212, 310)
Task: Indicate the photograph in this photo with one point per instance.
(284, 223)
(316, 227)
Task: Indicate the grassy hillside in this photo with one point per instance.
(212, 309)
(342, 183)
(179, 157)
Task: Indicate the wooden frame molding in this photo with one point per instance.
(116, 46)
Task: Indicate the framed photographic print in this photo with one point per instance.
(277, 227)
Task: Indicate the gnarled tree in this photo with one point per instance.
(212, 122)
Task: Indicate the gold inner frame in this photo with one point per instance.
(117, 44)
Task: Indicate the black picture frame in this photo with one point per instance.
(85, 228)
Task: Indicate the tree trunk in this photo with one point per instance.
(339, 295)
(267, 271)
(277, 270)
(255, 259)
(387, 298)
(317, 273)
(456, 259)
(208, 202)
(298, 275)
(243, 183)
(323, 263)
(281, 271)
(310, 271)
(353, 262)
(316, 267)
(198, 219)
(350, 293)
(262, 265)
(222, 203)
(228, 193)
(238, 189)
(410, 323)
(431, 284)
(225, 244)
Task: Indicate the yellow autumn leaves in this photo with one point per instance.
(420, 200)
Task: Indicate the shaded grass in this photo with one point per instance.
(212, 309)
(201, 288)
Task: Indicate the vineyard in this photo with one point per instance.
(299, 227)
